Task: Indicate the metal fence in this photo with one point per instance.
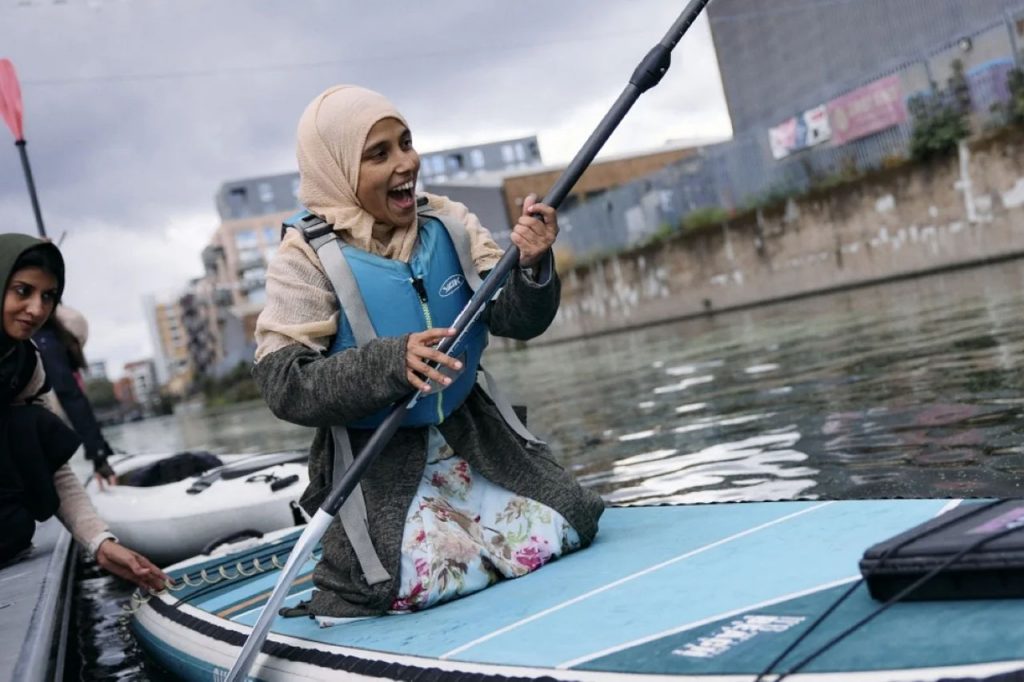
(744, 172)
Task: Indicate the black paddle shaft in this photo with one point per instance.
(31, 187)
(647, 74)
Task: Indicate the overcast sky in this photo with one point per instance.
(137, 110)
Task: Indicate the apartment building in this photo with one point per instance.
(144, 387)
(172, 363)
(497, 196)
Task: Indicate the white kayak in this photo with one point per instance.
(169, 507)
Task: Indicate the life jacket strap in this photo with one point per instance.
(353, 512)
(460, 238)
(490, 387)
(319, 235)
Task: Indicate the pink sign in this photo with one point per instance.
(876, 106)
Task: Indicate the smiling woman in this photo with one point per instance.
(35, 445)
(358, 297)
(387, 173)
(30, 297)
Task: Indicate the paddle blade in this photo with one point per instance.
(10, 99)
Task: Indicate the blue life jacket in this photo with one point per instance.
(400, 298)
(383, 297)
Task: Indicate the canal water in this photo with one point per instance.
(907, 389)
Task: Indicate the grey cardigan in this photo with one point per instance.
(305, 387)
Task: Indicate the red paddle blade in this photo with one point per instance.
(10, 99)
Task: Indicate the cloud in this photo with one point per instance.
(138, 110)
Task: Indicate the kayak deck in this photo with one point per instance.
(683, 591)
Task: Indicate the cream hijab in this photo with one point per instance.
(301, 306)
(331, 136)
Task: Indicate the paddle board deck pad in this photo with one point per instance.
(245, 495)
(703, 592)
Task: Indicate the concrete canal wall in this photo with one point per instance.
(899, 222)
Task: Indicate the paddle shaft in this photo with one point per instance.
(646, 75)
(31, 187)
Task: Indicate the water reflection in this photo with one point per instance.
(902, 390)
(243, 428)
(100, 634)
(761, 467)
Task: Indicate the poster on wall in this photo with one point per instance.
(799, 132)
(866, 110)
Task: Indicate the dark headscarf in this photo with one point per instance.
(21, 250)
(34, 442)
(18, 358)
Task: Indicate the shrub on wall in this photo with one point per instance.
(1013, 108)
(704, 217)
(941, 117)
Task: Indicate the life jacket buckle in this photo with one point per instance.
(313, 226)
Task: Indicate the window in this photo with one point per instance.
(438, 164)
(295, 188)
(250, 256)
(238, 201)
(254, 276)
(266, 192)
(454, 162)
(427, 164)
(271, 234)
(520, 152)
(476, 158)
(508, 155)
(245, 239)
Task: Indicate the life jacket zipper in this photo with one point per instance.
(421, 291)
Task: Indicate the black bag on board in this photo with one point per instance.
(993, 569)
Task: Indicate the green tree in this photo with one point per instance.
(100, 393)
(1014, 107)
(235, 386)
(941, 118)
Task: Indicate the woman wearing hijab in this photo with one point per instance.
(459, 498)
(35, 480)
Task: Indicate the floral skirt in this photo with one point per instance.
(464, 533)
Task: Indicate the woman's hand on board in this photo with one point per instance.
(115, 558)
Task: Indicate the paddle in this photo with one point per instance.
(647, 74)
(12, 111)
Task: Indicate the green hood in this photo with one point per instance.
(12, 246)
